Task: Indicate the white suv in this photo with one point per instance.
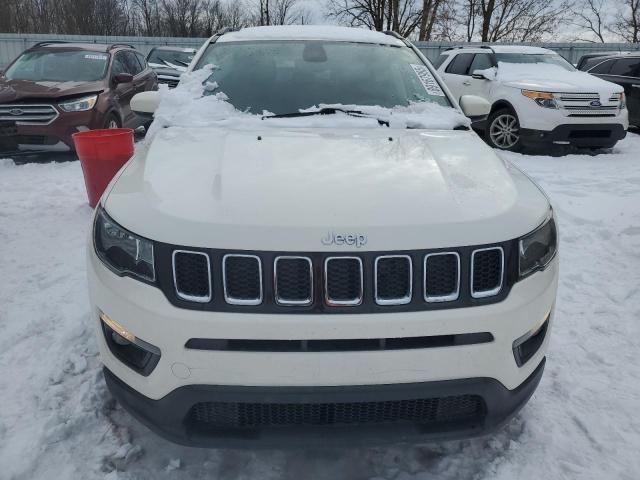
(366, 271)
(538, 98)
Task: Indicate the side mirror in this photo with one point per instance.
(474, 107)
(488, 74)
(122, 78)
(145, 103)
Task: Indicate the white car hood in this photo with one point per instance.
(566, 82)
(285, 189)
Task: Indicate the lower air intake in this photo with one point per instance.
(253, 415)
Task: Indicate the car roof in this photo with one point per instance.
(527, 50)
(617, 56)
(70, 46)
(175, 49)
(310, 32)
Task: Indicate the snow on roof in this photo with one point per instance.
(310, 32)
(520, 49)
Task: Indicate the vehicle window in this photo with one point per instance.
(548, 58)
(603, 68)
(460, 64)
(481, 61)
(628, 67)
(130, 60)
(119, 65)
(286, 76)
(170, 58)
(59, 66)
(439, 61)
(141, 60)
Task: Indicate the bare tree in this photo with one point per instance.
(402, 16)
(627, 21)
(589, 17)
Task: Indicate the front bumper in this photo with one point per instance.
(578, 135)
(171, 417)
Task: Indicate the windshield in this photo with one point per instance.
(171, 57)
(548, 58)
(286, 76)
(56, 66)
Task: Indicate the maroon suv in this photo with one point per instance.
(55, 89)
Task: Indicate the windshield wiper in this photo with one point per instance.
(328, 111)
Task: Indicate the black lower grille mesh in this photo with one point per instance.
(242, 278)
(441, 276)
(487, 270)
(344, 280)
(192, 276)
(393, 278)
(293, 280)
(252, 415)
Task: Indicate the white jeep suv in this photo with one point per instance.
(365, 271)
(538, 99)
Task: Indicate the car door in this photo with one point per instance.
(479, 86)
(150, 79)
(455, 74)
(626, 73)
(124, 92)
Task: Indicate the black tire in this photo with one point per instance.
(503, 130)
(112, 121)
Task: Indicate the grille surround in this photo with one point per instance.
(393, 301)
(343, 303)
(236, 300)
(281, 301)
(188, 297)
(489, 292)
(441, 298)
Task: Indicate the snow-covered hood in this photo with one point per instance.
(285, 189)
(550, 78)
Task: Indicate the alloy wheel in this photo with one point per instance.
(505, 131)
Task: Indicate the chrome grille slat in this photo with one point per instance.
(475, 273)
(227, 275)
(180, 277)
(40, 114)
(441, 296)
(330, 283)
(378, 283)
(280, 297)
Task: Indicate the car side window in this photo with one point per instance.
(141, 60)
(481, 61)
(119, 65)
(439, 61)
(603, 68)
(133, 66)
(460, 64)
(627, 67)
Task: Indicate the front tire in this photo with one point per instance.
(503, 130)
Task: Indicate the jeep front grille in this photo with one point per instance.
(313, 282)
(37, 114)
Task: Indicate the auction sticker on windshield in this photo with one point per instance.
(95, 57)
(427, 80)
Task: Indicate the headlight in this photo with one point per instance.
(79, 104)
(538, 248)
(121, 250)
(544, 99)
(623, 101)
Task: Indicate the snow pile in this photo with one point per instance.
(58, 421)
(195, 102)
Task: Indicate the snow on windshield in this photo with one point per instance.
(191, 104)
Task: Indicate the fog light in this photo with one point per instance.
(525, 347)
(117, 328)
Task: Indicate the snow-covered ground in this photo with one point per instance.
(58, 421)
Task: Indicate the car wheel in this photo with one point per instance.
(503, 130)
(112, 122)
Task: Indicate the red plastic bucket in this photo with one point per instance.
(102, 153)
